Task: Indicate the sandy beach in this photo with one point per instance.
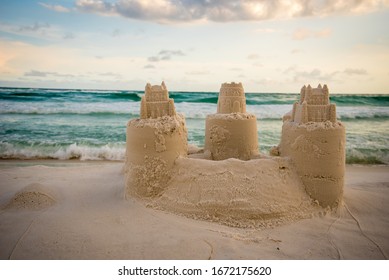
(78, 210)
(141, 133)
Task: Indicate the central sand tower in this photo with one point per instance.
(231, 132)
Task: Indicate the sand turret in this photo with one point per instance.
(231, 132)
(314, 106)
(315, 141)
(154, 142)
(156, 103)
(232, 99)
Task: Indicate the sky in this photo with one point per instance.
(268, 45)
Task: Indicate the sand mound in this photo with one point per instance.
(33, 197)
(255, 193)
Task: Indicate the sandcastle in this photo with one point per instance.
(230, 181)
(315, 141)
(231, 132)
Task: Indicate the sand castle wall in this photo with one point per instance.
(254, 193)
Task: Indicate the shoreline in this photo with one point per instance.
(103, 161)
(53, 162)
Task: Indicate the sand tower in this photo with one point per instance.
(232, 99)
(314, 106)
(156, 102)
(231, 132)
(154, 141)
(315, 141)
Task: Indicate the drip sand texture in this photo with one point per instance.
(315, 141)
(231, 132)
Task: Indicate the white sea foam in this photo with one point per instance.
(69, 107)
(73, 151)
(90, 153)
(362, 112)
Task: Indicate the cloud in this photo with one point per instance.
(225, 10)
(353, 71)
(110, 74)
(313, 74)
(316, 74)
(36, 73)
(290, 69)
(296, 51)
(116, 33)
(257, 64)
(252, 56)
(309, 75)
(69, 36)
(38, 30)
(265, 30)
(153, 59)
(304, 33)
(165, 55)
(197, 73)
(265, 82)
(149, 66)
(57, 8)
(34, 27)
(167, 52)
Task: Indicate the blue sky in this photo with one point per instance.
(269, 46)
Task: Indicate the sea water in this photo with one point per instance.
(91, 124)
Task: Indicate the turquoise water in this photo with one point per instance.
(90, 124)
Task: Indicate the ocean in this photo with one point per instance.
(91, 124)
